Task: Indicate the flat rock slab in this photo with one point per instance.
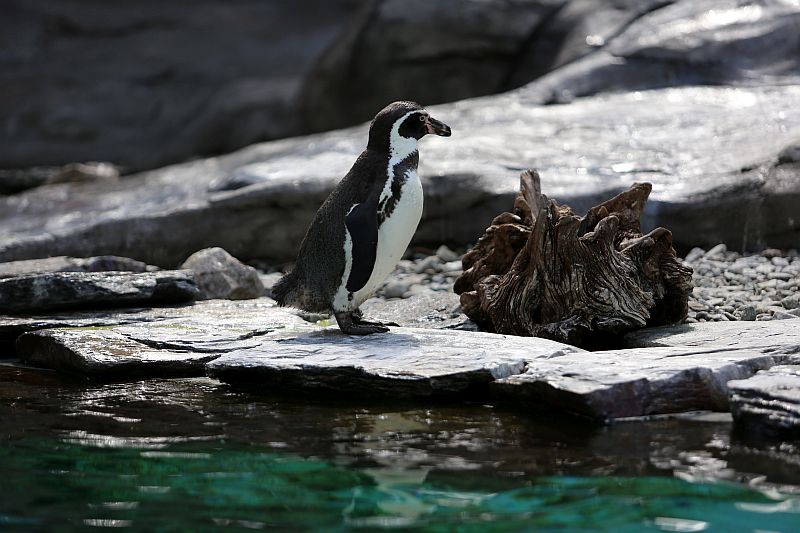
(164, 342)
(769, 402)
(434, 310)
(405, 361)
(778, 337)
(62, 263)
(31, 293)
(636, 382)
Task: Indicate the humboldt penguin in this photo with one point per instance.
(364, 227)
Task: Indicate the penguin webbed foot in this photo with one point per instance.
(358, 317)
(352, 323)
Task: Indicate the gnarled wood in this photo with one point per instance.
(543, 271)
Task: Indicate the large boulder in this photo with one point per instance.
(427, 51)
(95, 82)
(156, 82)
(722, 161)
(688, 42)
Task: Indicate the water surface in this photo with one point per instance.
(171, 455)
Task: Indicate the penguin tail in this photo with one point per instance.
(285, 289)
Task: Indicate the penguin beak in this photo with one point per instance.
(436, 127)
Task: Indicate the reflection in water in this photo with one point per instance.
(150, 454)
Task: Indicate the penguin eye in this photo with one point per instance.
(422, 118)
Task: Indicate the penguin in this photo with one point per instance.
(365, 225)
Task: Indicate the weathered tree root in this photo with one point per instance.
(542, 271)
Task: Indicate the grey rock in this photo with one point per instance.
(396, 288)
(174, 207)
(39, 292)
(12, 327)
(747, 312)
(220, 275)
(446, 254)
(765, 338)
(769, 402)
(439, 310)
(636, 382)
(16, 180)
(689, 42)
(452, 268)
(403, 362)
(103, 263)
(694, 254)
(107, 354)
(394, 46)
(432, 262)
(176, 341)
(791, 302)
(87, 84)
(782, 315)
(716, 251)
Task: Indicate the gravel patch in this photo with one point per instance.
(727, 285)
(731, 286)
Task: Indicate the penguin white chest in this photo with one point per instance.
(394, 236)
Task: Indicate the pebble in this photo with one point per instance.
(446, 254)
(716, 251)
(791, 302)
(431, 264)
(747, 312)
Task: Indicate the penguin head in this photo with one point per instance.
(401, 123)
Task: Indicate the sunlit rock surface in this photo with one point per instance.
(638, 381)
(157, 342)
(434, 310)
(253, 345)
(30, 293)
(772, 337)
(405, 361)
(711, 153)
(689, 42)
(769, 402)
(571, 48)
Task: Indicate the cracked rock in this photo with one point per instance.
(768, 403)
(403, 362)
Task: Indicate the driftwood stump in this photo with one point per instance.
(542, 271)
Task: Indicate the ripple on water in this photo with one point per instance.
(200, 485)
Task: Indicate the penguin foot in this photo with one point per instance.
(352, 325)
(358, 318)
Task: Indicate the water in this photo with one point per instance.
(189, 455)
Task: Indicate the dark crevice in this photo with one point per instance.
(534, 39)
(531, 41)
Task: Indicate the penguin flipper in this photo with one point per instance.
(362, 224)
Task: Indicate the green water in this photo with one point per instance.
(189, 455)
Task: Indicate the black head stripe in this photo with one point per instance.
(412, 126)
